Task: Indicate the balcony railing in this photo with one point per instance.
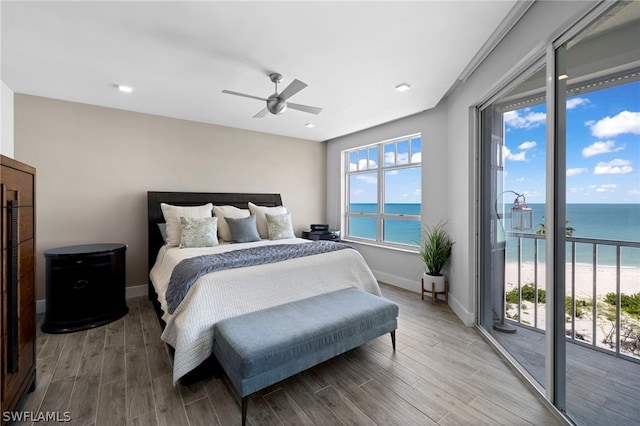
(591, 318)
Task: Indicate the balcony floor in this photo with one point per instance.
(601, 388)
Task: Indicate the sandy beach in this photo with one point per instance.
(605, 278)
(605, 282)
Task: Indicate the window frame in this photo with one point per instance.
(380, 170)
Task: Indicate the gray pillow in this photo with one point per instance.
(243, 230)
(163, 231)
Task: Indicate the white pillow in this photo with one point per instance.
(261, 220)
(228, 211)
(172, 216)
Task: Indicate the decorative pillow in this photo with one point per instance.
(279, 226)
(243, 230)
(172, 216)
(222, 212)
(198, 232)
(261, 220)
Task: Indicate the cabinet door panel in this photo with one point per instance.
(20, 182)
(17, 354)
(26, 258)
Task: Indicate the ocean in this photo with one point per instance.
(598, 221)
(619, 222)
(397, 231)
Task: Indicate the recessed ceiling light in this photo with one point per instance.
(125, 89)
(310, 125)
(403, 87)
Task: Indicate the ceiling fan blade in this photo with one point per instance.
(243, 95)
(305, 108)
(261, 114)
(293, 88)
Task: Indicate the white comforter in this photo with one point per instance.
(229, 293)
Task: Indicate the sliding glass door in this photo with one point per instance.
(559, 245)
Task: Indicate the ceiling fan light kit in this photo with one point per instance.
(277, 103)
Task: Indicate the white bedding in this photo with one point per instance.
(229, 293)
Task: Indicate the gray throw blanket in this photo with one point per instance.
(186, 272)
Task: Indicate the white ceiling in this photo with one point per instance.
(179, 56)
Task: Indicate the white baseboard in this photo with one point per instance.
(465, 316)
(468, 318)
(130, 292)
(136, 291)
(397, 281)
(41, 306)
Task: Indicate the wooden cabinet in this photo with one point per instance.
(18, 314)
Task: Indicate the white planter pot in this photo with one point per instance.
(438, 280)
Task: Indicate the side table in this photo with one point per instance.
(85, 286)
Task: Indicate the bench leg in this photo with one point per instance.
(245, 401)
(393, 340)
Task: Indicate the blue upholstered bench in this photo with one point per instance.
(261, 348)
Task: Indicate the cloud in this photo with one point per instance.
(613, 167)
(362, 165)
(368, 178)
(576, 102)
(607, 188)
(527, 120)
(520, 179)
(416, 158)
(597, 148)
(624, 122)
(508, 155)
(527, 145)
(389, 158)
(576, 171)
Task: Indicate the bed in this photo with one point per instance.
(188, 324)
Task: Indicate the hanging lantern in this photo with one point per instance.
(521, 214)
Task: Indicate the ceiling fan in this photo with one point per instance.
(277, 103)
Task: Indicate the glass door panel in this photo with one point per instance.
(601, 89)
(513, 257)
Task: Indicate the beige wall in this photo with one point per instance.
(95, 165)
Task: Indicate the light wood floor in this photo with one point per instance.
(442, 373)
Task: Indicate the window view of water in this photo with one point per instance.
(395, 230)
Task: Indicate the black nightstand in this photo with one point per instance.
(85, 286)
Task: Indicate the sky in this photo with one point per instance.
(603, 147)
(401, 185)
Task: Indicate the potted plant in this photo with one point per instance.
(435, 251)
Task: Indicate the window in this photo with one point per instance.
(383, 192)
